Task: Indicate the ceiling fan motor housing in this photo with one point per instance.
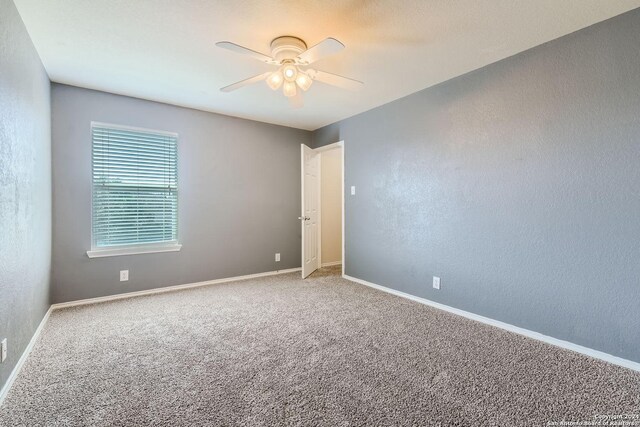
(287, 48)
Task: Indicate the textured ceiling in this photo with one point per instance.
(164, 50)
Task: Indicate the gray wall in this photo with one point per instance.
(25, 187)
(518, 184)
(239, 196)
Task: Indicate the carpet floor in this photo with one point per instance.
(282, 351)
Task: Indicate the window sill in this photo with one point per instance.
(133, 250)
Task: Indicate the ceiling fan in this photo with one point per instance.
(291, 56)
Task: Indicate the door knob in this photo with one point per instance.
(305, 218)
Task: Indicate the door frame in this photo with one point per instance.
(319, 150)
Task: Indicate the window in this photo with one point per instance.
(135, 191)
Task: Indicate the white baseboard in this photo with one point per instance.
(329, 264)
(506, 326)
(23, 358)
(169, 289)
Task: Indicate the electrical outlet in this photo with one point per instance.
(436, 282)
(277, 257)
(3, 344)
(124, 275)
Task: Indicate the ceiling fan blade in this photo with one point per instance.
(246, 51)
(335, 80)
(246, 82)
(326, 47)
(297, 101)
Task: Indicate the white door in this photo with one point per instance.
(310, 195)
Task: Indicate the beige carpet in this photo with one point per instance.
(282, 351)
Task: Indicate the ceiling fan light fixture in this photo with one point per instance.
(292, 58)
(289, 89)
(275, 80)
(303, 81)
(290, 72)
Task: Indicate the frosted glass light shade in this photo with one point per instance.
(275, 80)
(289, 89)
(304, 81)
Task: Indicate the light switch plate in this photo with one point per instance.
(353, 190)
(3, 352)
(124, 275)
(436, 282)
(277, 257)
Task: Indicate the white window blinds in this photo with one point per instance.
(135, 187)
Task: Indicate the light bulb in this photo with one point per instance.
(290, 72)
(304, 81)
(289, 89)
(275, 80)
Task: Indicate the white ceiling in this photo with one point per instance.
(163, 50)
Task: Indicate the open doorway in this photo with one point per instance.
(322, 207)
(330, 207)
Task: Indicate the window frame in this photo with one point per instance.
(135, 248)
